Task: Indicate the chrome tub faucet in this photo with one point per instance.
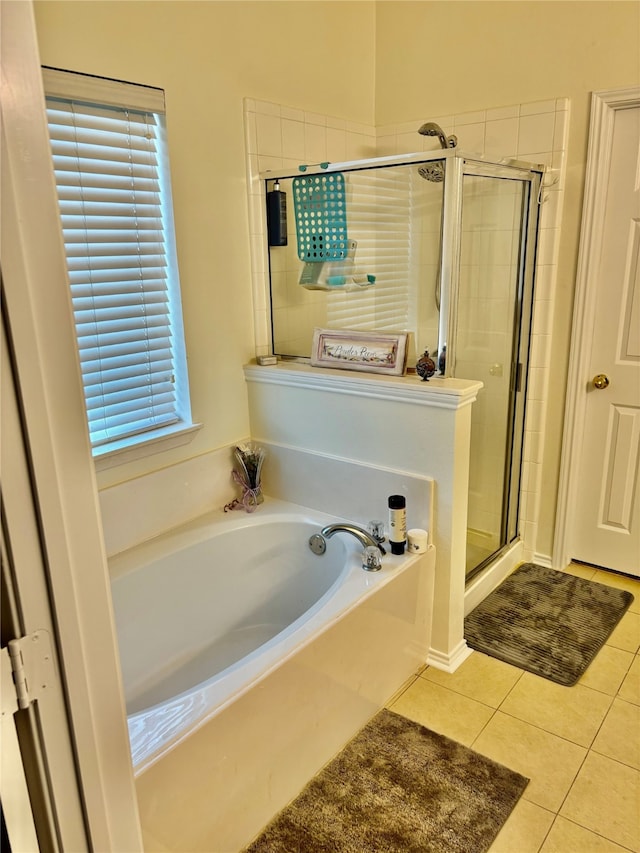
(372, 548)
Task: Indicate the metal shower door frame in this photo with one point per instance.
(457, 167)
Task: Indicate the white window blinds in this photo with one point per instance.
(115, 207)
(379, 217)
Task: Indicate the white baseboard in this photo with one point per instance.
(544, 560)
(449, 662)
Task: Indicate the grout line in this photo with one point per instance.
(599, 834)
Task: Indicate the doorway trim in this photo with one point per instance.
(44, 356)
(603, 108)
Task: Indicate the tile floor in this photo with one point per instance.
(579, 746)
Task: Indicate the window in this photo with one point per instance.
(110, 161)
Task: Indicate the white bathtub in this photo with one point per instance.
(248, 661)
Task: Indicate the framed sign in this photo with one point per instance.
(371, 352)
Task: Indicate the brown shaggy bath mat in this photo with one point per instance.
(548, 622)
(397, 787)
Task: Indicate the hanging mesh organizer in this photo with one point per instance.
(321, 217)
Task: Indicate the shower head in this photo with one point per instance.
(433, 172)
(430, 128)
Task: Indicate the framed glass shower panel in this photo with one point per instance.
(487, 335)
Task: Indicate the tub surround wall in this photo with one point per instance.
(400, 424)
(344, 488)
(146, 506)
(174, 495)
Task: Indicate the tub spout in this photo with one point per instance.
(365, 538)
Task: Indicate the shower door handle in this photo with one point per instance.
(600, 381)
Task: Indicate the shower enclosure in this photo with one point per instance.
(441, 245)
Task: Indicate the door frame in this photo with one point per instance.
(603, 109)
(37, 308)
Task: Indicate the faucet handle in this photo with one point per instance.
(376, 529)
(371, 559)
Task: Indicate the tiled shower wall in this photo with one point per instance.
(282, 137)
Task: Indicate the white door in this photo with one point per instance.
(606, 529)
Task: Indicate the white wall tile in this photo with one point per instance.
(551, 210)
(260, 284)
(477, 117)
(408, 143)
(543, 316)
(267, 108)
(535, 416)
(471, 137)
(358, 127)
(548, 246)
(315, 143)
(501, 137)
(269, 134)
(536, 132)
(292, 114)
(360, 146)
(540, 350)
(336, 123)
(561, 131)
(259, 253)
(544, 285)
(269, 163)
(293, 139)
(499, 113)
(537, 107)
(262, 322)
(536, 384)
(386, 145)
(336, 145)
(254, 184)
(250, 133)
(256, 219)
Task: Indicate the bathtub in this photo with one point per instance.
(248, 662)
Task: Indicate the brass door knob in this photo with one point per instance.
(600, 381)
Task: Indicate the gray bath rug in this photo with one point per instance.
(547, 622)
(397, 787)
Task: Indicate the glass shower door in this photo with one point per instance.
(492, 318)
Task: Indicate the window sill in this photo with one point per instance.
(143, 445)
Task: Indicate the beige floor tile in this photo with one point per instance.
(568, 837)
(480, 677)
(619, 737)
(581, 570)
(550, 762)
(621, 582)
(574, 713)
(626, 635)
(525, 829)
(443, 711)
(608, 670)
(605, 799)
(630, 689)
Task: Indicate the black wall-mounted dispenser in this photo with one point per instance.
(277, 216)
